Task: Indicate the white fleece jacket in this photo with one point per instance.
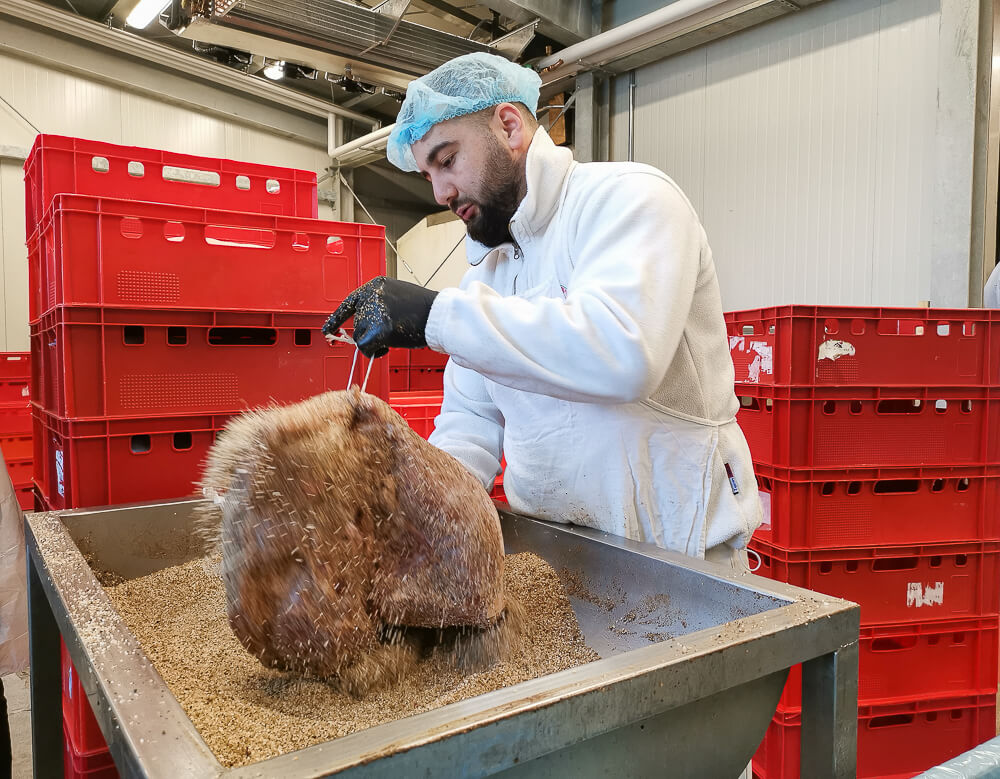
(592, 352)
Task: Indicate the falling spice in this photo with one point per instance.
(247, 713)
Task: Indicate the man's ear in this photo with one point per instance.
(512, 126)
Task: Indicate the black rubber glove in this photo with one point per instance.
(388, 313)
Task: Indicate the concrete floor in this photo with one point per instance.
(19, 715)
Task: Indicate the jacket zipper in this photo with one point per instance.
(517, 249)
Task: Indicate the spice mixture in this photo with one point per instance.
(246, 712)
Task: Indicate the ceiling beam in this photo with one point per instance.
(59, 22)
(565, 21)
(452, 10)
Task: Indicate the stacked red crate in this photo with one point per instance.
(420, 409)
(875, 435)
(416, 370)
(15, 423)
(168, 293)
(155, 318)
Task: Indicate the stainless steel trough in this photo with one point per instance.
(695, 704)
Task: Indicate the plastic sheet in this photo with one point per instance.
(13, 584)
(978, 763)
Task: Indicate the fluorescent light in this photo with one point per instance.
(145, 12)
(275, 70)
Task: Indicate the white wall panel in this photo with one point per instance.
(807, 146)
(69, 104)
(13, 262)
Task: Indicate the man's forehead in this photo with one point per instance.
(449, 131)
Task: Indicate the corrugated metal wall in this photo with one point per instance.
(808, 147)
(62, 103)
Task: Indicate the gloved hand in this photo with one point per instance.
(387, 313)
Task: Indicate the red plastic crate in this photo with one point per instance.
(83, 463)
(920, 661)
(78, 718)
(417, 358)
(416, 379)
(25, 495)
(58, 164)
(104, 252)
(416, 370)
(833, 427)
(101, 363)
(865, 346)
(864, 507)
(19, 471)
(895, 584)
(15, 365)
(15, 418)
(14, 391)
(16, 447)
(895, 740)
(94, 765)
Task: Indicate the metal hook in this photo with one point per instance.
(354, 362)
(371, 362)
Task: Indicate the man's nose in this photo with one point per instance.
(444, 192)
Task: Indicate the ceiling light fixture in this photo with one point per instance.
(275, 70)
(144, 13)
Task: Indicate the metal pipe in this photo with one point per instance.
(631, 37)
(631, 116)
(377, 140)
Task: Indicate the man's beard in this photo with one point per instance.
(502, 192)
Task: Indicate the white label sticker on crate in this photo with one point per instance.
(765, 505)
(59, 473)
(918, 595)
(25, 392)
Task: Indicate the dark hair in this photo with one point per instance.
(486, 114)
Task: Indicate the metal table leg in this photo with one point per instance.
(830, 715)
(46, 680)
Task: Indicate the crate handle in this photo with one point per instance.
(899, 406)
(245, 237)
(896, 486)
(242, 336)
(173, 231)
(890, 720)
(900, 327)
(894, 644)
(895, 564)
(205, 178)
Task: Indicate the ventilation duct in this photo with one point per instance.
(332, 35)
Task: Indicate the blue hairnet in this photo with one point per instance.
(461, 86)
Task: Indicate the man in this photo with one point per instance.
(587, 340)
(991, 292)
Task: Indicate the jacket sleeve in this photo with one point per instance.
(469, 427)
(991, 293)
(636, 246)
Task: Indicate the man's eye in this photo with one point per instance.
(447, 162)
